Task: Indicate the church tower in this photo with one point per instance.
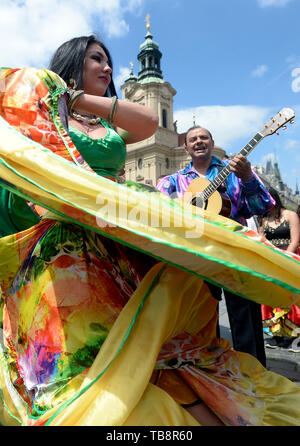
(156, 156)
(163, 153)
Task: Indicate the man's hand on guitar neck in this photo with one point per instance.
(241, 167)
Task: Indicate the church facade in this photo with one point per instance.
(163, 153)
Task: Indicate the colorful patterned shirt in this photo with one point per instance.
(248, 198)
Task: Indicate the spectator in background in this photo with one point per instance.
(298, 213)
(281, 227)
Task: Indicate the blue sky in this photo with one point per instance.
(233, 63)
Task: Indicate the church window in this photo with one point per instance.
(164, 118)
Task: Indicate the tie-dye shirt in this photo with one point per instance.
(247, 198)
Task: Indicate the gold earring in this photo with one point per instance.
(72, 84)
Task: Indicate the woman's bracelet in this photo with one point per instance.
(73, 97)
(113, 109)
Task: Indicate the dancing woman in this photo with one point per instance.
(106, 317)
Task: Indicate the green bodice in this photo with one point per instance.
(106, 156)
(15, 214)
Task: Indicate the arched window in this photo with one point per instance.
(164, 118)
(167, 163)
(140, 163)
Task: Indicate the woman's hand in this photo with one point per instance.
(135, 122)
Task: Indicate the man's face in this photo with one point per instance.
(199, 144)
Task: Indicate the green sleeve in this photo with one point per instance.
(15, 214)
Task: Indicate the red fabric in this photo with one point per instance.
(288, 324)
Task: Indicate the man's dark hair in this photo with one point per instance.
(196, 127)
(67, 61)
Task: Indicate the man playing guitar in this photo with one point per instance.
(246, 191)
(248, 197)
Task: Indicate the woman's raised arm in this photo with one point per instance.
(135, 122)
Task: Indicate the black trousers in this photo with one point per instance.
(245, 322)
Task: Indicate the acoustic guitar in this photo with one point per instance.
(204, 193)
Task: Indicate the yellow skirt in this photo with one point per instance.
(168, 322)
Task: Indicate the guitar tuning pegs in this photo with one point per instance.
(277, 133)
(292, 121)
(284, 127)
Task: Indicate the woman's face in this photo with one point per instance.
(96, 75)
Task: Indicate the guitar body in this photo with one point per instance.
(216, 203)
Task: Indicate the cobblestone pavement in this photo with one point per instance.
(279, 360)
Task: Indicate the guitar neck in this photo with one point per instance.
(225, 172)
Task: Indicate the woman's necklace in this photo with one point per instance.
(85, 119)
(88, 122)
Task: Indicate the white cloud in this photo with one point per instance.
(268, 157)
(31, 30)
(123, 74)
(292, 145)
(292, 60)
(226, 123)
(295, 85)
(265, 3)
(259, 71)
(295, 172)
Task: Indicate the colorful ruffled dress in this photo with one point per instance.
(107, 319)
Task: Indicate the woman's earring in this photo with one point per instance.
(72, 84)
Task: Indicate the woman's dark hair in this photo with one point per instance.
(278, 204)
(67, 61)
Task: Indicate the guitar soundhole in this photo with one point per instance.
(199, 202)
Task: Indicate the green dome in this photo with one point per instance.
(149, 60)
(149, 43)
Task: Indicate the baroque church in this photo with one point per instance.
(163, 153)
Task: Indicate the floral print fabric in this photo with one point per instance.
(70, 289)
(86, 319)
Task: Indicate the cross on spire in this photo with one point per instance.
(148, 21)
